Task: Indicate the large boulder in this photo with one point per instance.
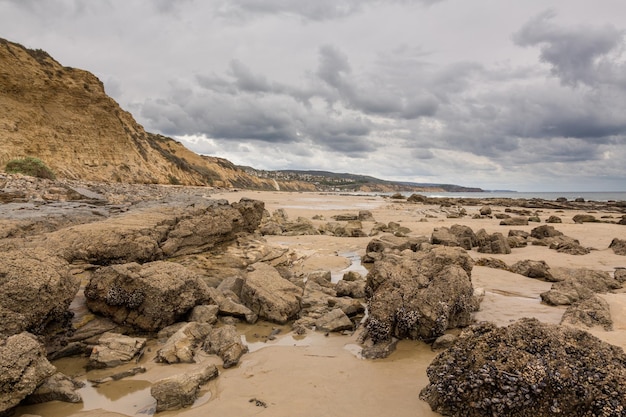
(545, 231)
(386, 243)
(590, 312)
(578, 284)
(527, 369)
(269, 295)
(36, 288)
(443, 236)
(492, 243)
(532, 269)
(178, 391)
(24, 367)
(149, 296)
(420, 295)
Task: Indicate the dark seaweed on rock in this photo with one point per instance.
(527, 369)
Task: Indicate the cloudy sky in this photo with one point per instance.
(528, 95)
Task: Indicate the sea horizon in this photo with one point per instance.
(543, 195)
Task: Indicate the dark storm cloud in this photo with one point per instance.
(578, 54)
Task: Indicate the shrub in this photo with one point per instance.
(34, 167)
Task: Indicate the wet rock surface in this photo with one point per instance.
(181, 390)
(527, 369)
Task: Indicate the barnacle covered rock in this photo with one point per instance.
(527, 369)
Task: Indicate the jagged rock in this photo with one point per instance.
(590, 312)
(271, 228)
(618, 246)
(571, 247)
(527, 369)
(226, 343)
(514, 221)
(58, 387)
(416, 198)
(391, 243)
(355, 289)
(204, 313)
(532, 269)
(420, 295)
(444, 341)
(494, 243)
(229, 307)
(115, 349)
(544, 231)
(316, 299)
(620, 275)
(181, 346)
(352, 276)
(485, 211)
(302, 226)
(36, 288)
(492, 263)
(554, 219)
(379, 350)
(269, 295)
(24, 367)
(334, 321)
(584, 218)
(149, 296)
(565, 293)
(595, 280)
(348, 305)
(443, 236)
(464, 235)
(181, 390)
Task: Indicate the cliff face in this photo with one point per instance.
(63, 116)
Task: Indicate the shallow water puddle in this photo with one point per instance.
(355, 265)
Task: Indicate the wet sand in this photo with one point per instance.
(323, 375)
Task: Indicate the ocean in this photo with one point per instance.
(571, 196)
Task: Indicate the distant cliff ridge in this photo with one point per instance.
(63, 116)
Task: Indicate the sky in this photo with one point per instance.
(525, 95)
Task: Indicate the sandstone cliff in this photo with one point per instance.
(63, 116)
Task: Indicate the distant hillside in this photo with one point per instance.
(332, 181)
(63, 116)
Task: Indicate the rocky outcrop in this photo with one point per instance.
(492, 243)
(36, 289)
(578, 284)
(420, 295)
(24, 367)
(157, 231)
(149, 296)
(269, 295)
(391, 243)
(590, 312)
(527, 369)
(181, 390)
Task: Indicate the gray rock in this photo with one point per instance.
(444, 341)
(443, 236)
(532, 269)
(226, 343)
(206, 313)
(229, 307)
(181, 390)
(181, 346)
(494, 243)
(618, 246)
(58, 387)
(566, 293)
(355, 289)
(485, 211)
(590, 312)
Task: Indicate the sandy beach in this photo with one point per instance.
(317, 374)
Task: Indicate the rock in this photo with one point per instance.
(532, 269)
(392, 243)
(181, 346)
(58, 387)
(119, 375)
(36, 289)
(444, 341)
(514, 221)
(321, 277)
(269, 295)
(355, 289)
(420, 295)
(226, 343)
(149, 296)
(554, 219)
(229, 307)
(348, 305)
(485, 211)
(334, 321)
(584, 218)
(24, 367)
(416, 198)
(115, 349)
(379, 350)
(302, 226)
(181, 390)
(492, 263)
(443, 236)
(527, 369)
(566, 293)
(571, 247)
(595, 280)
(590, 312)
(352, 276)
(271, 228)
(494, 243)
(544, 231)
(365, 216)
(618, 246)
(204, 313)
(345, 217)
(620, 275)
(464, 235)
